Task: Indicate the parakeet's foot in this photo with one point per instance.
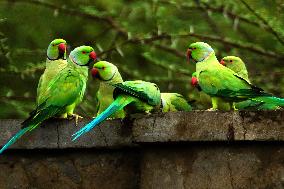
(211, 109)
(110, 118)
(76, 116)
(234, 107)
(147, 112)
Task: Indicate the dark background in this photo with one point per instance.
(145, 39)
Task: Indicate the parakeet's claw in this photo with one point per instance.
(147, 112)
(77, 117)
(110, 118)
(234, 107)
(211, 109)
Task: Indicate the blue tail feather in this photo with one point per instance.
(14, 138)
(118, 104)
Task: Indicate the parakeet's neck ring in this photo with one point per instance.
(109, 78)
(198, 61)
(57, 58)
(72, 59)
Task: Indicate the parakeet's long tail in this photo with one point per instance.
(120, 102)
(272, 100)
(14, 138)
(36, 117)
(261, 103)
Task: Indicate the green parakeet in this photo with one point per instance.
(172, 102)
(65, 89)
(55, 62)
(204, 97)
(132, 96)
(259, 103)
(217, 80)
(236, 64)
(108, 73)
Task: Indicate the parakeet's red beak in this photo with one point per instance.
(194, 81)
(188, 55)
(95, 72)
(93, 55)
(222, 62)
(62, 48)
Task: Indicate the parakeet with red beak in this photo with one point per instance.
(219, 81)
(66, 89)
(132, 96)
(108, 75)
(259, 103)
(55, 62)
(236, 64)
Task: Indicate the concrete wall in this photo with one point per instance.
(175, 150)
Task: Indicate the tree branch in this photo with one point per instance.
(230, 15)
(240, 45)
(22, 98)
(269, 28)
(74, 12)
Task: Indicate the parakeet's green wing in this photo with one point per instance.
(65, 89)
(180, 103)
(215, 81)
(145, 91)
(62, 91)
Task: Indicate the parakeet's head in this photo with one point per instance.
(57, 49)
(198, 51)
(104, 70)
(229, 60)
(83, 55)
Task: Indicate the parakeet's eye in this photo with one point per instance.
(53, 45)
(231, 61)
(193, 48)
(103, 67)
(83, 52)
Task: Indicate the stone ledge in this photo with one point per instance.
(160, 127)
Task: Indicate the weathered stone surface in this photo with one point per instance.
(160, 127)
(183, 126)
(70, 170)
(210, 126)
(44, 137)
(174, 150)
(214, 166)
(111, 134)
(261, 125)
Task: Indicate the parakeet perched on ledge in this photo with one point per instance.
(172, 102)
(132, 96)
(63, 92)
(219, 81)
(55, 62)
(108, 73)
(259, 103)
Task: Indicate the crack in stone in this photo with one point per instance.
(104, 137)
(81, 178)
(245, 132)
(230, 174)
(242, 122)
(153, 125)
(58, 139)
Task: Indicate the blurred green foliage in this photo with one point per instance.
(146, 39)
